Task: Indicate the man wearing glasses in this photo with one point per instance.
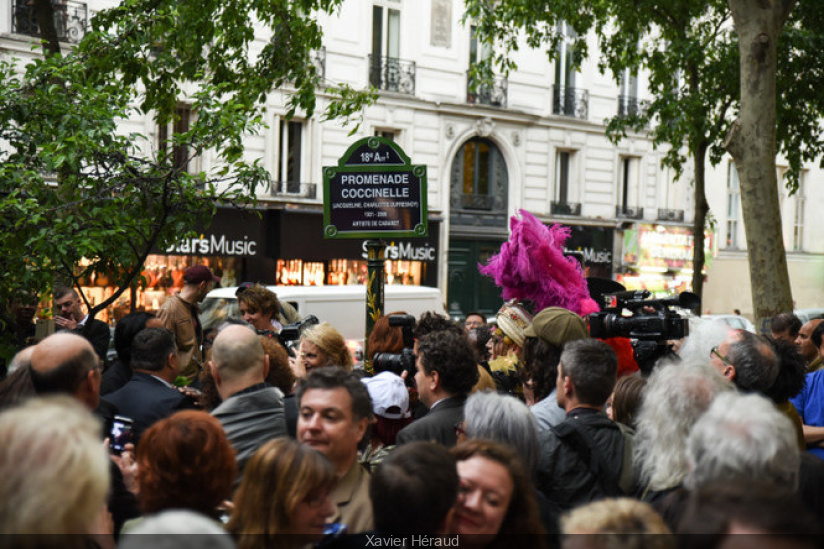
(747, 360)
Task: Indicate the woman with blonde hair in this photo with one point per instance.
(322, 345)
(283, 499)
(55, 473)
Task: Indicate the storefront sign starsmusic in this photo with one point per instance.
(214, 245)
(374, 192)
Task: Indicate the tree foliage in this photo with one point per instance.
(689, 50)
(79, 195)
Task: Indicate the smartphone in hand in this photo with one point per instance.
(122, 433)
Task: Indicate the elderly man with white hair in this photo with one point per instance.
(675, 397)
(742, 437)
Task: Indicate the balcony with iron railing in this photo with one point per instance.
(572, 102)
(294, 189)
(628, 105)
(629, 212)
(485, 94)
(665, 214)
(565, 208)
(392, 74)
(71, 19)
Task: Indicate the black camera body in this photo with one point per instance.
(290, 334)
(403, 361)
(651, 324)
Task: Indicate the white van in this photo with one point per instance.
(344, 307)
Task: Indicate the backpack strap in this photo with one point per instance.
(583, 445)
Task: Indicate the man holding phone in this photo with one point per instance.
(69, 317)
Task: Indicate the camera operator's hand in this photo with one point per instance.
(65, 323)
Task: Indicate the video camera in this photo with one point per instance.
(403, 361)
(290, 334)
(651, 324)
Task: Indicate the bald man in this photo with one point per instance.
(805, 345)
(252, 411)
(66, 363)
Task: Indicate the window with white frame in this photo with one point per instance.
(628, 94)
(565, 56)
(386, 39)
(733, 206)
(176, 154)
(798, 217)
(629, 198)
(290, 150)
(478, 51)
(562, 171)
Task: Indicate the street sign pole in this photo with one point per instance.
(376, 254)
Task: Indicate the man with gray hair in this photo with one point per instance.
(505, 419)
(252, 411)
(676, 396)
(587, 456)
(748, 360)
(742, 437)
(150, 395)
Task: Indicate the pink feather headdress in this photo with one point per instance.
(532, 266)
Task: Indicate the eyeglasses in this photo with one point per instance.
(723, 359)
(460, 429)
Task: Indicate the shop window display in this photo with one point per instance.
(163, 275)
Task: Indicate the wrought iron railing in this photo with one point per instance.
(629, 212)
(392, 74)
(565, 208)
(294, 189)
(571, 102)
(485, 94)
(477, 201)
(670, 215)
(71, 19)
(628, 105)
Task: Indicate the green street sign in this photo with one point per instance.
(374, 192)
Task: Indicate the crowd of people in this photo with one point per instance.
(521, 431)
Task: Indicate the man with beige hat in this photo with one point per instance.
(551, 329)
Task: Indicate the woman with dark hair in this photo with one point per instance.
(185, 462)
(120, 372)
(495, 498)
(260, 307)
(625, 402)
(283, 500)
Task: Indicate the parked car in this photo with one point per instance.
(734, 321)
(806, 315)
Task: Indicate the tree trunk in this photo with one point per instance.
(699, 221)
(751, 142)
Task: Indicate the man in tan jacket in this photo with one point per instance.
(179, 314)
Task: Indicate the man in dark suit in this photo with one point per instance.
(72, 319)
(150, 395)
(446, 372)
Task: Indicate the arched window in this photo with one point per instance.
(479, 177)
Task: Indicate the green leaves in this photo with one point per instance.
(77, 186)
